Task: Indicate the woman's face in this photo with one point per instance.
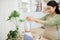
(51, 9)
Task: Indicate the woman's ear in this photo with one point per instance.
(55, 7)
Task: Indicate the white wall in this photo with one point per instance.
(6, 6)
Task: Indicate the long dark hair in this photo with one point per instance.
(53, 4)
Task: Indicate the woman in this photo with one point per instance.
(51, 21)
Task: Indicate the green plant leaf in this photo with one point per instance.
(21, 20)
(14, 14)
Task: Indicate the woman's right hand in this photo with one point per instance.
(28, 18)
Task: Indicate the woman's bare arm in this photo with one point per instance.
(35, 20)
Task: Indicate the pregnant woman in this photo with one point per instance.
(51, 21)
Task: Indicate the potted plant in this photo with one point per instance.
(13, 35)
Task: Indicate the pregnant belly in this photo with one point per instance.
(51, 33)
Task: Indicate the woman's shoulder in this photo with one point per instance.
(57, 16)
